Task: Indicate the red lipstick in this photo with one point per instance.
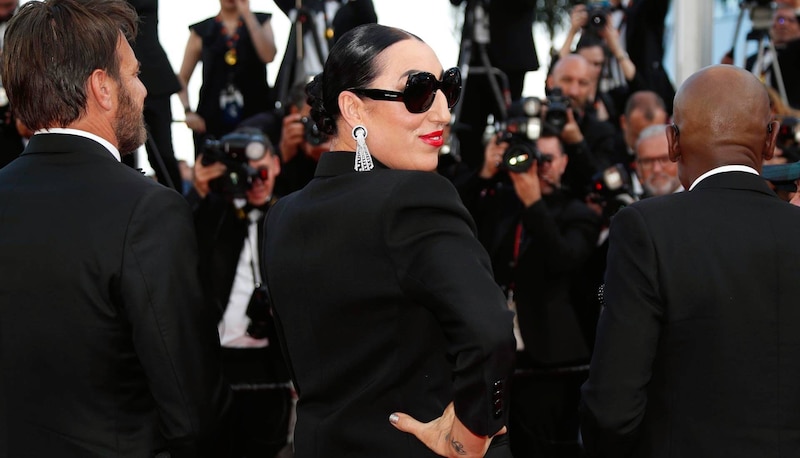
(433, 138)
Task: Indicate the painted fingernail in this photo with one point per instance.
(394, 418)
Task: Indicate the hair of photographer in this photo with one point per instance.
(643, 109)
(657, 174)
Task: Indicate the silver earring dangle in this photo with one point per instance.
(363, 158)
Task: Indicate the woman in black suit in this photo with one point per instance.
(383, 296)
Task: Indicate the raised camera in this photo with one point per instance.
(520, 131)
(598, 14)
(313, 136)
(235, 150)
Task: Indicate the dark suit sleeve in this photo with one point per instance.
(615, 397)
(440, 264)
(174, 335)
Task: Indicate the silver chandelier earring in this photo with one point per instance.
(363, 158)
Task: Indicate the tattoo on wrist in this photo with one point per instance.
(457, 446)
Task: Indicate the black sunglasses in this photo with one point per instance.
(420, 90)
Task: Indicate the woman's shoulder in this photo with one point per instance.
(205, 27)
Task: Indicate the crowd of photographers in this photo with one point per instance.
(543, 187)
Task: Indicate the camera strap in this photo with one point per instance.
(252, 240)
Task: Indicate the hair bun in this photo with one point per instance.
(319, 113)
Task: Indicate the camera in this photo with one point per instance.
(598, 14)
(235, 150)
(313, 136)
(611, 188)
(520, 131)
(557, 105)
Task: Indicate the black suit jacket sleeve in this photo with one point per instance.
(173, 333)
(627, 340)
(440, 263)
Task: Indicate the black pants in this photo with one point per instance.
(543, 420)
(258, 419)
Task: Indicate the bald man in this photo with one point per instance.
(698, 350)
(590, 143)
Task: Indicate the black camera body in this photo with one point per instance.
(313, 136)
(557, 106)
(612, 189)
(520, 131)
(235, 150)
(598, 15)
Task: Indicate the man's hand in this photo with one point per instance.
(446, 435)
(571, 134)
(492, 157)
(578, 16)
(293, 134)
(243, 6)
(195, 122)
(204, 174)
(527, 185)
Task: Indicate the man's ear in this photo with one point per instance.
(673, 142)
(352, 108)
(101, 87)
(772, 137)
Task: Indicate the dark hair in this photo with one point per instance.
(350, 64)
(647, 101)
(52, 47)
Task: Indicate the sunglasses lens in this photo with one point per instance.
(451, 86)
(419, 92)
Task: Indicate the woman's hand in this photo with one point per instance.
(446, 435)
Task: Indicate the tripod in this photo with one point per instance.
(761, 18)
(297, 65)
(474, 38)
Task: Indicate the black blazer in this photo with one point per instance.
(697, 352)
(386, 302)
(105, 347)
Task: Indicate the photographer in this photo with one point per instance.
(538, 238)
(229, 212)
(589, 142)
(301, 143)
(613, 73)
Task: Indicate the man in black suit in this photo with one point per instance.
(697, 350)
(105, 346)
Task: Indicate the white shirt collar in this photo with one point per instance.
(82, 133)
(723, 169)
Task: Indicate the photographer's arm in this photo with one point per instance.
(204, 174)
(292, 136)
(261, 34)
(191, 56)
(611, 35)
(577, 19)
